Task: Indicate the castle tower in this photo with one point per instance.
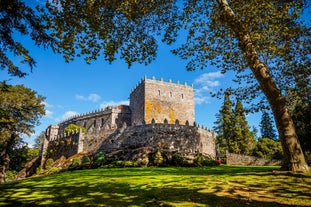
(159, 100)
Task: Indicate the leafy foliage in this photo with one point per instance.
(224, 126)
(302, 119)
(20, 110)
(233, 133)
(20, 155)
(266, 126)
(99, 160)
(158, 158)
(73, 128)
(244, 138)
(268, 148)
(85, 162)
(124, 29)
(18, 18)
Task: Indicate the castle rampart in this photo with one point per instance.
(184, 139)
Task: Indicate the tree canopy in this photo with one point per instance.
(16, 17)
(20, 109)
(233, 133)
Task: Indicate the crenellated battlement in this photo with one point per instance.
(161, 80)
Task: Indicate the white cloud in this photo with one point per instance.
(79, 97)
(68, 114)
(47, 105)
(201, 99)
(49, 114)
(91, 97)
(113, 103)
(204, 84)
(208, 79)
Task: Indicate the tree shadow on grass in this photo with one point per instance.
(111, 193)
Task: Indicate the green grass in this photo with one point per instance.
(206, 186)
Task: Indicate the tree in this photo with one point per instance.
(268, 148)
(266, 126)
(20, 109)
(224, 126)
(20, 155)
(158, 158)
(72, 128)
(243, 136)
(302, 119)
(18, 18)
(39, 140)
(266, 43)
(233, 133)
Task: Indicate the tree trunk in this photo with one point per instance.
(4, 164)
(293, 155)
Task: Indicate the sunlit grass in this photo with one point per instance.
(208, 186)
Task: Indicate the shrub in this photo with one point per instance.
(178, 160)
(52, 170)
(72, 128)
(158, 158)
(49, 163)
(99, 160)
(209, 162)
(39, 170)
(75, 164)
(10, 175)
(145, 162)
(131, 163)
(198, 161)
(85, 162)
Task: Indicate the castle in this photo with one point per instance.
(160, 116)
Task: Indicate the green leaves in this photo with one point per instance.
(20, 109)
(112, 29)
(18, 18)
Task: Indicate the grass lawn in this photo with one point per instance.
(206, 186)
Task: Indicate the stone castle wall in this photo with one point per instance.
(64, 145)
(184, 139)
(99, 121)
(159, 100)
(236, 159)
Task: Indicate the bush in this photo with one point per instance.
(99, 160)
(49, 163)
(130, 163)
(75, 164)
(158, 159)
(178, 160)
(10, 175)
(209, 162)
(39, 170)
(52, 170)
(198, 161)
(85, 162)
(145, 162)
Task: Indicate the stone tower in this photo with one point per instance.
(159, 100)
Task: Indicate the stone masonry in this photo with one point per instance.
(159, 100)
(160, 116)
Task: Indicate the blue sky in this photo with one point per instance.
(75, 87)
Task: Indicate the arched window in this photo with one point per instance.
(159, 92)
(171, 94)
